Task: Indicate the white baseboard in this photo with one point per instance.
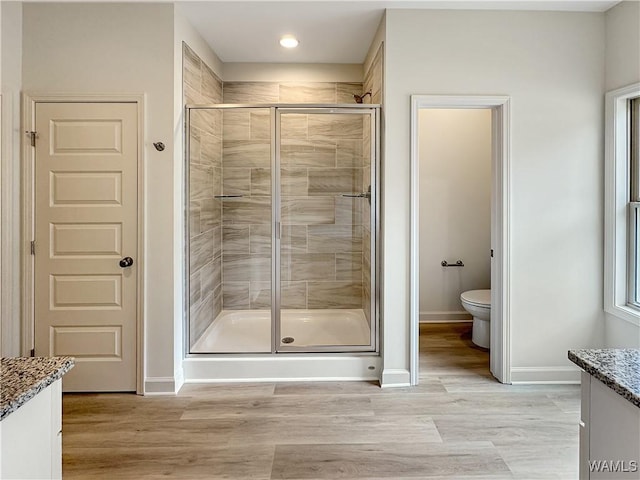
(179, 378)
(281, 369)
(445, 317)
(545, 375)
(160, 386)
(395, 377)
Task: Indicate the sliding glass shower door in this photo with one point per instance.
(324, 187)
(230, 230)
(282, 232)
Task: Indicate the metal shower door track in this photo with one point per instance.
(282, 106)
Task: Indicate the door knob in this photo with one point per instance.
(126, 262)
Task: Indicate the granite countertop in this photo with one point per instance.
(22, 378)
(617, 368)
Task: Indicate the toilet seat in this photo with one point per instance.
(479, 298)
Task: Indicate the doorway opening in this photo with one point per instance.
(483, 273)
(455, 240)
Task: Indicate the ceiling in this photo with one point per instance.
(328, 31)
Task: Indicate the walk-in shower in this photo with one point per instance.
(282, 228)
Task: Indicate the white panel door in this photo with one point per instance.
(86, 165)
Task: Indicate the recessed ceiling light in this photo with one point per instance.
(289, 41)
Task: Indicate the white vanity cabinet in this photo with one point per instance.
(31, 437)
(609, 433)
(31, 417)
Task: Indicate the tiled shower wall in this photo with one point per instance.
(325, 237)
(366, 220)
(373, 78)
(246, 231)
(200, 86)
(373, 82)
(322, 232)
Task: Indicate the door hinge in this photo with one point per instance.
(492, 253)
(33, 352)
(33, 247)
(32, 137)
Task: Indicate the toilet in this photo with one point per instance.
(478, 304)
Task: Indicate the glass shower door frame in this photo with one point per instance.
(275, 111)
(187, 325)
(373, 113)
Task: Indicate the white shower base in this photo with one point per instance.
(249, 331)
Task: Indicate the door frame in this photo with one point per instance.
(500, 105)
(29, 101)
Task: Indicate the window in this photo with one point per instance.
(634, 202)
(622, 204)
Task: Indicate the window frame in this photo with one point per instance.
(633, 280)
(619, 234)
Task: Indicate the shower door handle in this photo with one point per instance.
(357, 195)
(366, 195)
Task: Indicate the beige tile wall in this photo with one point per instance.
(324, 235)
(374, 83)
(201, 85)
(246, 231)
(374, 79)
(290, 92)
(366, 223)
(322, 232)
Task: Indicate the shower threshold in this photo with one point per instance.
(249, 331)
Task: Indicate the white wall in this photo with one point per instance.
(455, 208)
(622, 69)
(11, 65)
(622, 45)
(2, 231)
(122, 48)
(184, 32)
(552, 66)
(378, 39)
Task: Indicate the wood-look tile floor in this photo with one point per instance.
(459, 423)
